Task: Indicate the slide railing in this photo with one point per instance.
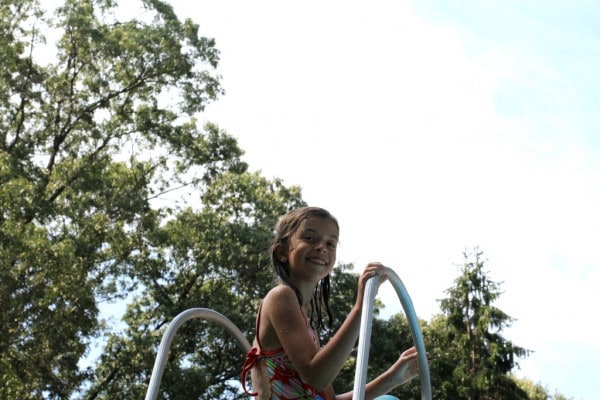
(360, 378)
(167, 339)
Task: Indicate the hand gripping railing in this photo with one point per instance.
(165, 343)
(360, 378)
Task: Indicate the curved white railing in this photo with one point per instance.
(167, 339)
(360, 378)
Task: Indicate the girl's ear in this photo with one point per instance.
(281, 252)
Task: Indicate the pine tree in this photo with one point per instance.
(477, 355)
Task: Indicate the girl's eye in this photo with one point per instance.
(333, 245)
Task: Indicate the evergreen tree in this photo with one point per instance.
(472, 360)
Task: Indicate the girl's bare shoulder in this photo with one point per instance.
(280, 296)
(281, 317)
(281, 290)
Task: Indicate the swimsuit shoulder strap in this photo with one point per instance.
(258, 326)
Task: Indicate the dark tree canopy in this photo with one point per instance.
(97, 130)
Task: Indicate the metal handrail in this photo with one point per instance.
(167, 339)
(360, 378)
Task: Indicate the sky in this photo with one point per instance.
(431, 128)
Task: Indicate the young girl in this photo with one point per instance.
(286, 361)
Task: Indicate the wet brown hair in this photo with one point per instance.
(284, 230)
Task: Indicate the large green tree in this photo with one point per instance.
(215, 258)
(97, 133)
(471, 358)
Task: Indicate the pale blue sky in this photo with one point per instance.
(431, 127)
(558, 47)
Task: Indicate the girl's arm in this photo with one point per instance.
(284, 319)
(403, 370)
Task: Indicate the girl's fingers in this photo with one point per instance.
(375, 268)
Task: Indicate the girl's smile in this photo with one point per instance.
(312, 249)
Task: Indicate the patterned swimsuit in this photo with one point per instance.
(284, 381)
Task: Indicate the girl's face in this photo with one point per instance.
(312, 249)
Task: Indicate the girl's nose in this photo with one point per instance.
(321, 247)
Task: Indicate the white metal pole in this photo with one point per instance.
(364, 339)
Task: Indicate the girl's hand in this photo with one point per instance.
(403, 370)
(372, 269)
(406, 368)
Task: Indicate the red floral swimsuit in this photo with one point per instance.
(285, 382)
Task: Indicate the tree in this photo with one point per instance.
(472, 360)
(214, 258)
(97, 129)
(535, 391)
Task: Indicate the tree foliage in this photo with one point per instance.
(97, 128)
(472, 360)
(213, 258)
(536, 391)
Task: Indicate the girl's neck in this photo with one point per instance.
(306, 290)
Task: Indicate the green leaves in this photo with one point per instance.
(214, 257)
(477, 358)
(90, 131)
